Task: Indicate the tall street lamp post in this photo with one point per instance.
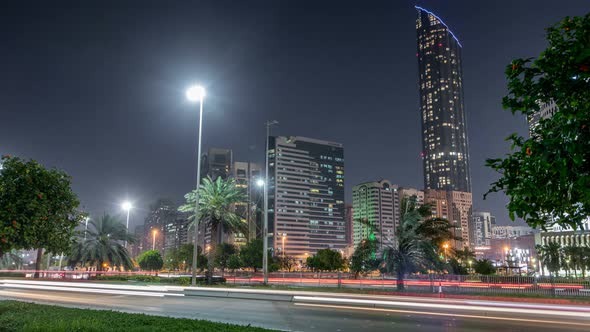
(197, 94)
(265, 234)
(127, 207)
(154, 232)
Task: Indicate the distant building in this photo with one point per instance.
(348, 214)
(456, 207)
(176, 232)
(246, 174)
(374, 212)
(217, 163)
(503, 232)
(546, 110)
(161, 213)
(165, 228)
(481, 233)
(405, 192)
(136, 248)
(306, 195)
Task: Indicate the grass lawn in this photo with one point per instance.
(21, 316)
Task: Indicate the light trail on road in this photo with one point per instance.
(430, 313)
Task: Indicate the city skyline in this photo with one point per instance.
(83, 126)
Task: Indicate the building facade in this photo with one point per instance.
(217, 163)
(176, 232)
(456, 207)
(246, 174)
(306, 195)
(546, 110)
(481, 232)
(349, 223)
(374, 212)
(444, 131)
(504, 232)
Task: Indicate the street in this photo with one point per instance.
(318, 313)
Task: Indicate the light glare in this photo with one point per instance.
(195, 93)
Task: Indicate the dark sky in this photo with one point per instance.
(98, 89)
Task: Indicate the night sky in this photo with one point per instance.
(98, 90)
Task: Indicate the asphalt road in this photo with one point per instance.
(296, 316)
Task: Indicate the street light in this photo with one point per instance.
(265, 223)
(446, 246)
(154, 232)
(195, 94)
(127, 207)
(260, 183)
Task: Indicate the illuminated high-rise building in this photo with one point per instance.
(444, 134)
(306, 195)
(374, 212)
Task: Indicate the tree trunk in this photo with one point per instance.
(211, 254)
(38, 262)
(400, 280)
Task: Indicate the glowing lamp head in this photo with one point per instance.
(260, 182)
(195, 93)
(126, 206)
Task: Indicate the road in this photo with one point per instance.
(309, 313)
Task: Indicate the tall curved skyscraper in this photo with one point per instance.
(444, 134)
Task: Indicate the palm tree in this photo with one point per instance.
(408, 254)
(550, 255)
(437, 230)
(216, 208)
(103, 244)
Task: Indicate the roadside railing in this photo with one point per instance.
(419, 283)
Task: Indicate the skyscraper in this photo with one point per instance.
(444, 135)
(306, 195)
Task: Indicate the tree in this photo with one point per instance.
(464, 255)
(216, 207)
(150, 260)
(326, 260)
(224, 252)
(172, 259)
(457, 267)
(547, 176)
(251, 254)
(435, 230)
(550, 255)
(363, 259)
(185, 257)
(37, 208)
(417, 242)
(234, 262)
(11, 261)
(103, 244)
(286, 262)
(484, 266)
